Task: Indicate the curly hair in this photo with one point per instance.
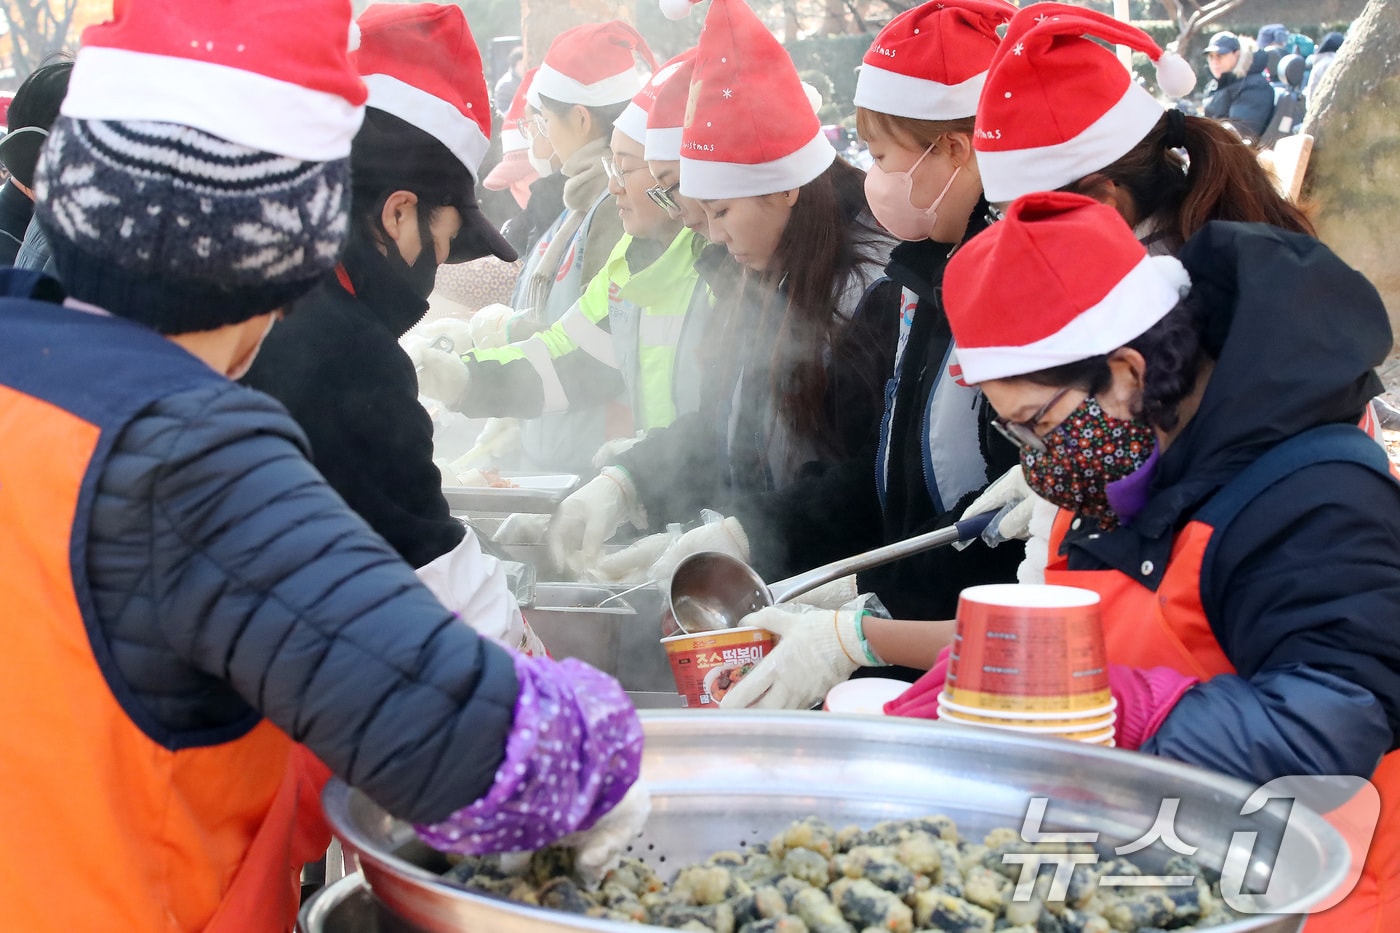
(1174, 354)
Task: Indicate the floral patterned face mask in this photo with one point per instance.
(1086, 452)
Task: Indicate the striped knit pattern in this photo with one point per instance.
(164, 199)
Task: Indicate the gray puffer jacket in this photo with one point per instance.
(230, 582)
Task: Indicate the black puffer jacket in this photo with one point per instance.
(1247, 103)
(336, 364)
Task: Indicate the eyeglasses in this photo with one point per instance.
(535, 126)
(662, 198)
(617, 174)
(1023, 433)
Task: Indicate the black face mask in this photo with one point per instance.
(422, 274)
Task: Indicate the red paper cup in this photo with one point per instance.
(706, 665)
(1028, 648)
(1061, 727)
(1071, 720)
(865, 696)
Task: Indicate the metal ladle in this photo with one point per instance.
(711, 590)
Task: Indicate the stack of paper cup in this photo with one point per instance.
(1030, 658)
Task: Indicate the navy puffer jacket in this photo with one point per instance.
(230, 582)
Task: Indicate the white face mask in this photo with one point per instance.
(544, 166)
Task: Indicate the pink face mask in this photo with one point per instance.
(890, 196)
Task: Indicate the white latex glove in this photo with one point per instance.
(490, 326)
(1012, 500)
(522, 528)
(831, 595)
(455, 331)
(1032, 568)
(589, 517)
(441, 375)
(598, 849)
(630, 565)
(607, 454)
(496, 441)
(727, 537)
(818, 649)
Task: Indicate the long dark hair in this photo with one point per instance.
(820, 248)
(1223, 180)
(1174, 354)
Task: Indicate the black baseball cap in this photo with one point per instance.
(32, 113)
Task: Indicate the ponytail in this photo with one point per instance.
(1220, 180)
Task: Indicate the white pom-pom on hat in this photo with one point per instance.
(1175, 76)
(814, 96)
(354, 39)
(677, 9)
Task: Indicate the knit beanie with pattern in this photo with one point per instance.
(183, 231)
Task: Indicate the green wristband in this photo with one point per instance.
(870, 654)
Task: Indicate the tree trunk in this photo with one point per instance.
(1354, 173)
(38, 29)
(792, 26)
(542, 20)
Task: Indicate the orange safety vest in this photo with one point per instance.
(106, 828)
(1169, 627)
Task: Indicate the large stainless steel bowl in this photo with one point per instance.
(722, 780)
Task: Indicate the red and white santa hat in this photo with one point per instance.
(422, 65)
(513, 138)
(289, 90)
(1021, 299)
(633, 120)
(930, 62)
(514, 166)
(750, 129)
(595, 65)
(1057, 106)
(666, 122)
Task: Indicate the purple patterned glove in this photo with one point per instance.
(572, 753)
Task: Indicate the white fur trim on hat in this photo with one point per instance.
(917, 98)
(554, 84)
(269, 115)
(1140, 299)
(431, 114)
(663, 144)
(712, 181)
(1006, 175)
(513, 140)
(633, 123)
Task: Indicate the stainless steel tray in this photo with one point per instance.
(622, 638)
(536, 492)
(721, 780)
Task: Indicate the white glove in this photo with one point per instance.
(441, 375)
(455, 331)
(630, 565)
(598, 849)
(1013, 501)
(490, 326)
(522, 528)
(727, 537)
(607, 454)
(831, 595)
(590, 516)
(1032, 569)
(473, 585)
(817, 649)
(495, 442)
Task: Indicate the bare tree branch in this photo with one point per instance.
(1202, 17)
(38, 29)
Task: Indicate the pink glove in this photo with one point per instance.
(1146, 696)
(920, 701)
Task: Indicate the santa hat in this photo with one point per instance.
(634, 119)
(288, 90)
(422, 65)
(594, 65)
(514, 166)
(1057, 107)
(930, 62)
(666, 121)
(750, 128)
(1021, 299)
(199, 172)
